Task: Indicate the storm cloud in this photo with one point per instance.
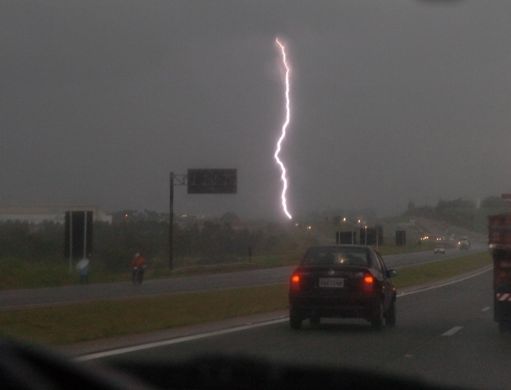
(392, 101)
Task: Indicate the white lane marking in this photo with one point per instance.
(452, 331)
(486, 308)
(177, 340)
(454, 281)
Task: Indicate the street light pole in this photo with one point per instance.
(359, 229)
(345, 220)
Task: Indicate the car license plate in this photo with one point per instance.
(331, 282)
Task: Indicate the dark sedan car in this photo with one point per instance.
(347, 281)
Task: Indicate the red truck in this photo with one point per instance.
(499, 239)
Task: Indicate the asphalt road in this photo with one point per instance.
(19, 298)
(444, 335)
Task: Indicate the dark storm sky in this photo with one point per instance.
(392, 101)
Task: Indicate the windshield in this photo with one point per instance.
(167, 168)
(336, 256)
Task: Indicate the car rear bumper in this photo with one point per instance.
(502, 311)
(311, 306)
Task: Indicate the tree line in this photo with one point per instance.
(199, 242)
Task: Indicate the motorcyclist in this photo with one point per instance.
(138, 265)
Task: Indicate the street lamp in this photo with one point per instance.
(365, 234)
(344, 220)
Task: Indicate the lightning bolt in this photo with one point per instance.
(278, 147)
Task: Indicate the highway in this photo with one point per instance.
(19, 298)
(444, 335)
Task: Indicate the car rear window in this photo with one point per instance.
(336, 256)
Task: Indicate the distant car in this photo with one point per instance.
(347, 281)
(464, 243)
(440, 250)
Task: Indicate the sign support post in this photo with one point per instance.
(199, 181)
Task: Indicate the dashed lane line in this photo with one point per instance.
(452, 331)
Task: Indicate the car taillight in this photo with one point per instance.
(368, 279)
(295, 282)
(368, 282)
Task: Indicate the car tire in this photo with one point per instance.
(504, 327)
(390, 317)
(378, 319)
(295, 320)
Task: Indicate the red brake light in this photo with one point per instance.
(368, 279)
(295, 279)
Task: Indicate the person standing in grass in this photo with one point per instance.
(83, 270)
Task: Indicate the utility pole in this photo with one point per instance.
(70, 241)
(171, 221)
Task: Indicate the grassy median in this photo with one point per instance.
(443, 269)
(89, 321)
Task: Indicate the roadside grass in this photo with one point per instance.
(18, 273)
(22, 273)
(73, 323)
(90, 321)
(442, 269)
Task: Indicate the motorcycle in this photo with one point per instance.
(138, 275)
